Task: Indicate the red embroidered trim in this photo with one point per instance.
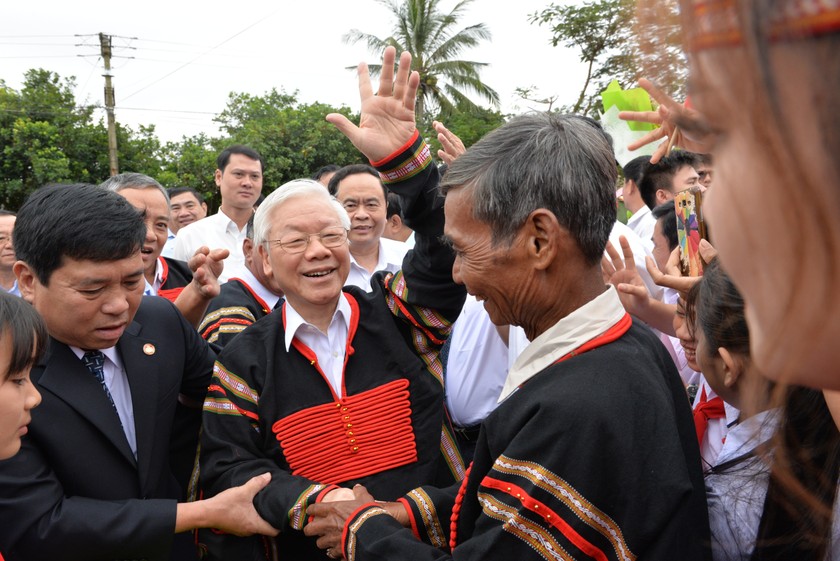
(403, 501)
(456, 510)
(547, 514)
(259, 300)
(397, 152)
(356, 436)
(345, 533)
(213, 327)
(613, 333)
(171, 294)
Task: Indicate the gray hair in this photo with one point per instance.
(133, 180)
(562, 163)
(294, 189)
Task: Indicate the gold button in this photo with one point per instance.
(344, 409)
(347, 417)
(355, 448)
(349, 426)
(352, 441)
(349, 433)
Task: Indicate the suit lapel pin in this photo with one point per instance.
(149, 349)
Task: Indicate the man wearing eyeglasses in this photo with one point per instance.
(339, 386)
(8, 281)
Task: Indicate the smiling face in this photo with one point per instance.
(683, 333)
(17, 398)
(152, 203)
(87, 304)
(363, 198)
(497, 275)
(311, 280)
(185, 209)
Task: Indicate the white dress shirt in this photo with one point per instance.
(265, 294)
(642, 223)
(391, 254)
(477, 365)
(217, 231)
(329, 347)
(117, 383)
(153, 288)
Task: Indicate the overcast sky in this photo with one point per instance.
(188, 56)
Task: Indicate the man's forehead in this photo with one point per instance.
(183, 198)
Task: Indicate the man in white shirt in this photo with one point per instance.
(239, 177)
(362, 194)
(641, 221)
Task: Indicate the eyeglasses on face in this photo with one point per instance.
(298, 242)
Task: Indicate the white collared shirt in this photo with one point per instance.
(642, 223)
(117, 382)
(329, 348)
(169, 246)
(216, 231)
(587, 322)
(477, 365)
(152, 289)
(265, 294)
(391, 254)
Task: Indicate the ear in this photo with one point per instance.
(218, 178)
(629, 187)
(204, 205)
(543, 234)
(661, 196)
(26, 280)
(247, 248)
(732, 367)
(263, 251)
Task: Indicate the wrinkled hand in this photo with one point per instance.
(672, 118)
(451, 145)
(387, 119)
(206, 266)
(233, 511)
(621, 272)
(328, 519)
(340, 494)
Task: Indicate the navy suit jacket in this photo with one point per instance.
(75, 491)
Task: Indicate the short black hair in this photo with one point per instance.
(20, 321)
(354, 169)
(224, 157)
(175, 191)
(666, 213)
(78, 221)
(394, 206)
(661, 174)
(635, 168)
(323, 170)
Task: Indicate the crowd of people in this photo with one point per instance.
(471, 360)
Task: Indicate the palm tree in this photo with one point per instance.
(430, 36)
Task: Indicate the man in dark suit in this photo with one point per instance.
(93, 478)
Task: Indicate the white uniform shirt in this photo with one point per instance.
(217, 231)
(391, 254)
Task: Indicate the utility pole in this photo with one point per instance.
(105, 46)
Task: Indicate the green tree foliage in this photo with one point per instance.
(45, 137)
(435, 42)
(617, 41)
(294, 138)
(470, 125)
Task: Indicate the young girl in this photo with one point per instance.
(753, 512)
(22, 340)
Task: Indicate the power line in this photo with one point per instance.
(199, 56)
